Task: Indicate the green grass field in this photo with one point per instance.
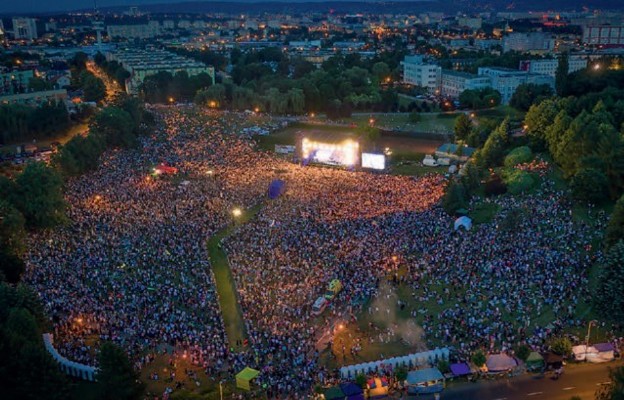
(226, 288)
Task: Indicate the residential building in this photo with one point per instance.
(34, 98)
(25, 28)
(15, 82)
(506, 80)
(528, 42)
(416, 73)
(468, 22)
(148, 30)
(603, 35)
(143, 63)
(549, 66)
(453, 83)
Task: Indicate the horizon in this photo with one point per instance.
(39, 7)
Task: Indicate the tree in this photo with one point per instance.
(116, 127)
(93, 87)
(590, 185)
(39, 196)
(463, 127)
(614, 390)
(455, 198)
(561, 75)
(381, 71)
(609, 300)
(12, 222)
(494, 149)
(538, 119)
(615, 228)
(561, 346)
(478, 358)
(528, 94)
(117, 380)
(519, 155)
(523, 352)
(27, 370)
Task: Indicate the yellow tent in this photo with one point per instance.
(243, 378)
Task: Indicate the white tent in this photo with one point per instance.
(463, 222)
(580, 352)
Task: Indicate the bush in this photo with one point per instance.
(495, 186)
(360, 380)
(561, 346)
(478, 358)
(444, 366)
(519, 155)
(455, 198)
(523, 352)
(590, 185)
(518, 181)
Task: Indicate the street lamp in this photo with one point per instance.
(589, 325)
(171, 100)
(237, 212)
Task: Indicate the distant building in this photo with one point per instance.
(416, 73)
(453, 83)
(528, 42)
(143, 63)
(603, 35)
(549, 67)
(148, 30)
(506, 81)
(15, 82)
(25, 28)
(35, 98)
(468, 22)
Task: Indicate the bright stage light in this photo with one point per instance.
(345, 153)
(237, 212)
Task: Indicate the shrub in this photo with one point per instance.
(523, 352)
(495, 186)
(518, 181)
(478, 358)
(519, 155)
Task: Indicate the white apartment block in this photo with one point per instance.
(143, 63)
(526, 42)
(549, 67)
(606, 35)
(25, 28)
(453, 83)
(418, 74)
(506, 81)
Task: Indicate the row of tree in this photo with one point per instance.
(20, 122)
(117, 125)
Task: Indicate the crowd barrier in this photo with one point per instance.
(409, 361)
(77, 370)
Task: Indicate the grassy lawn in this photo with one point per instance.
(230, 309)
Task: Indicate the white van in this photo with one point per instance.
(319, 306)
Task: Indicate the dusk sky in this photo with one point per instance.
(26, 6)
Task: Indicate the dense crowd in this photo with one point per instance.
(132, 265)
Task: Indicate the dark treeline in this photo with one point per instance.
(18, 121)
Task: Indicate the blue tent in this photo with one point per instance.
(276, 188)
(350, 389)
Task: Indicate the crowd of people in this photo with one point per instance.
(132, 265)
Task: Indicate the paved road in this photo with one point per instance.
(578, 380)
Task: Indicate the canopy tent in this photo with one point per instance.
(460, 369)
(535, 361)
(500, 363)
(243, 378)
(579, 352)
(334, 393)
(377, 388)
(425, 381)
(600, 352)
(463, 222)
(276, 188)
